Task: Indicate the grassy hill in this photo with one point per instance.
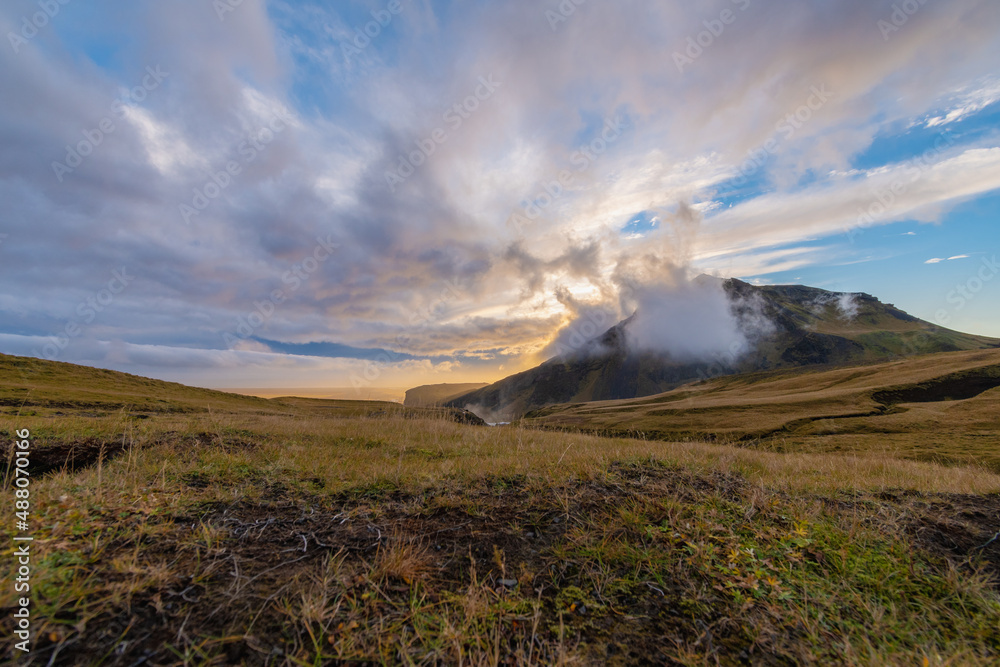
(431, 395)
(175, 525)
(27, 384)
(942, 407)
(809, 328)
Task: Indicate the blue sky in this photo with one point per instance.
(260, 194)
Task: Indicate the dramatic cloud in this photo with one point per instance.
(690, 322)
(453, 184)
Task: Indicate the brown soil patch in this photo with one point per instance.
(267, 551)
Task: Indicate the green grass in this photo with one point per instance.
(314, 532)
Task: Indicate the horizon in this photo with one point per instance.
(267, 195)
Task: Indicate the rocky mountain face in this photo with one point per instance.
(785, 326)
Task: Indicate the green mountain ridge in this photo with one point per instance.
(810, 327)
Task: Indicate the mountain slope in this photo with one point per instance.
(940, 407)
(35, 386)
(432, 395)
(808, 327)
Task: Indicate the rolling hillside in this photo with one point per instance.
(942, 407)
(29, 386)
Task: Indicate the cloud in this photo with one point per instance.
(669, 311)
(967, 102)
(850, 204)
(938, 260)
(437, 270)
(689, 322)
(845, 303)
(241, 368)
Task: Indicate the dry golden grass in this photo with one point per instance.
(815, 411)
(411, 453)
(314, 532)
(402, 558)
(160, 525)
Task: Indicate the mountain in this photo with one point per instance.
(433, 395)
(805, 326)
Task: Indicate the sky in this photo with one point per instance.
(241, 193)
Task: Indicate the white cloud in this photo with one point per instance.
(686, 136)
(166, 148)
(846, 205)
(967, 102)
(938, 260)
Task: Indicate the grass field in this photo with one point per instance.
(943, 408)
(176, 525)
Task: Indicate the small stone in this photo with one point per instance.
(509, 583)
